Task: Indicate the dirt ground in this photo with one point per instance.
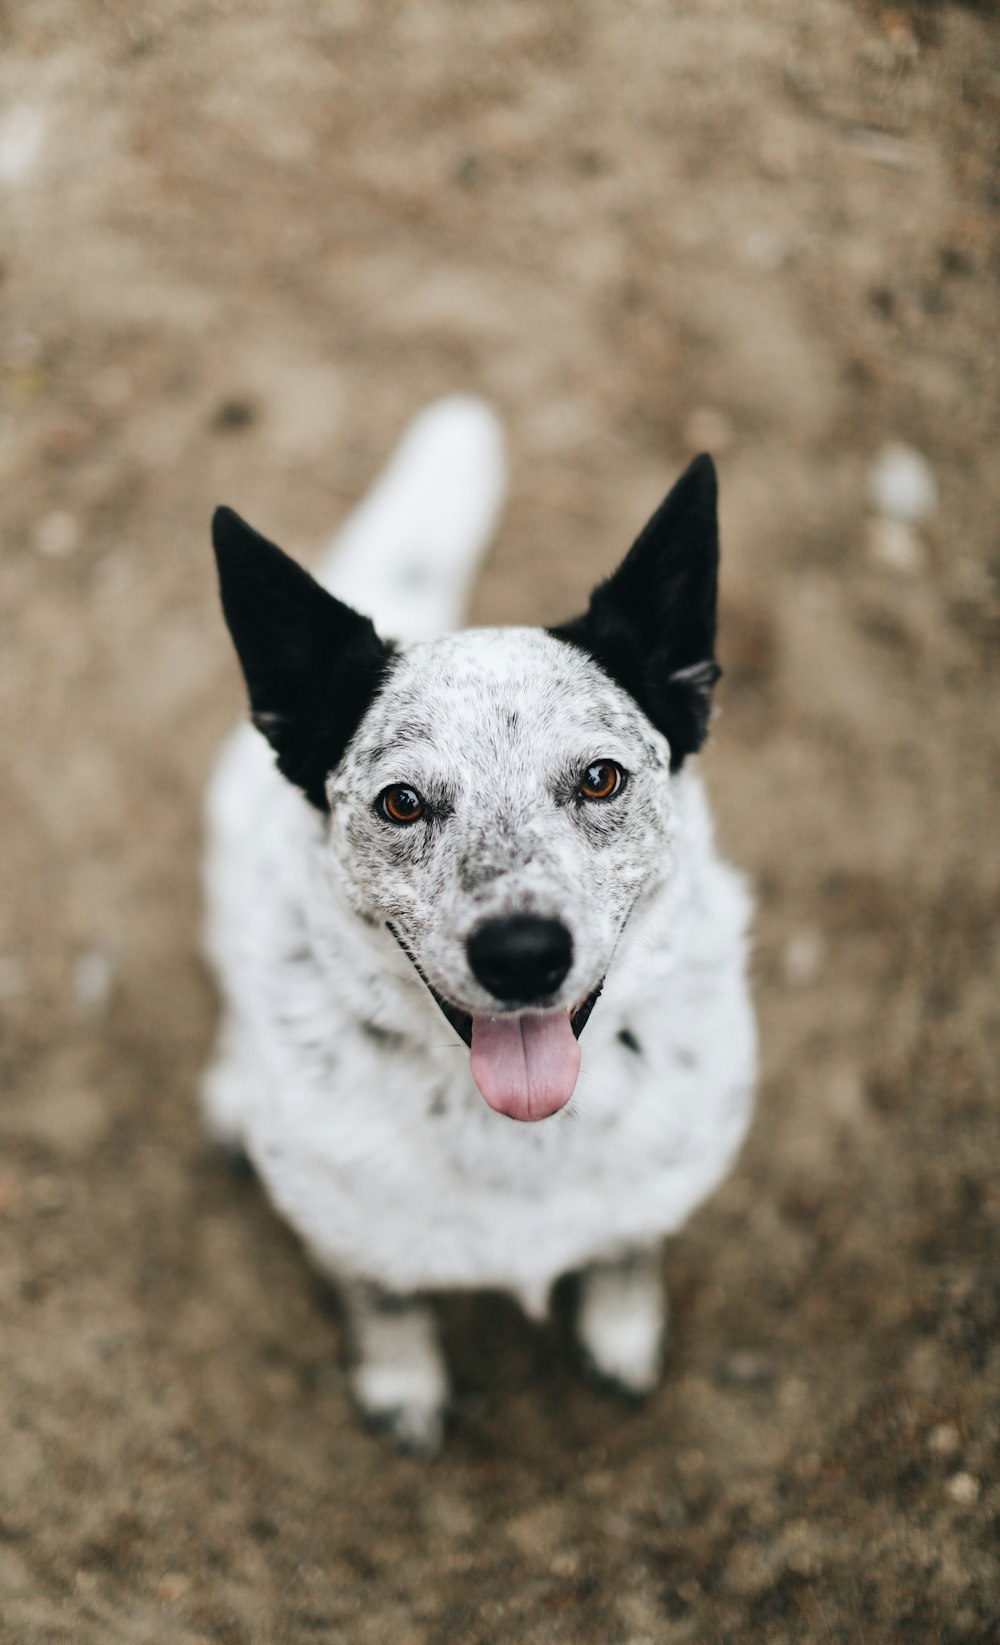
(240, 246)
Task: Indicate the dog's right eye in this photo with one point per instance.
(400, 804)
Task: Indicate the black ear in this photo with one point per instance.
(651, 625)
(312, 664)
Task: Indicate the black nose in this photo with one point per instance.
(521, 958)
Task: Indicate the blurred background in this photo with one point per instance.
(239, 247)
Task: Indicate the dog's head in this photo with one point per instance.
(500, 799)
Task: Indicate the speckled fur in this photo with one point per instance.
(336, 1070)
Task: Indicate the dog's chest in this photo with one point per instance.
(382, 1154)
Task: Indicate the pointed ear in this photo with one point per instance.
(312, 664)
(651, 625)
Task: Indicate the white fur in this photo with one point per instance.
(398, 1375)
(622, 1322)
(335, 1068)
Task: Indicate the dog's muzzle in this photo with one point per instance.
(462, 1020)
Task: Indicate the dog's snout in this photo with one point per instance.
(520, 958)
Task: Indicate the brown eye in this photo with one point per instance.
(601, 781)
(401, 804)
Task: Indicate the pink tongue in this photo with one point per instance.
(525, 1067)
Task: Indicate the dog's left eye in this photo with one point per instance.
(401, 804)
(601, 781)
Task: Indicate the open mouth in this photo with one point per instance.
(462, 1021)
(525, 1063)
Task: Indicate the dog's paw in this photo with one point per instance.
(414, 1432)
(403, 1405)
(622, 1326)
(398, 1373)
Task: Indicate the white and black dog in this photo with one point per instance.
(493, 837)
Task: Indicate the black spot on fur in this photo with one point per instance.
(312, 664)
(629, 1041)
(380, 1301)
(651, 625)
(235, 1157)
(381, 1036)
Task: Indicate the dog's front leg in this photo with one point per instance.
(622, 1322)
(398, 1372)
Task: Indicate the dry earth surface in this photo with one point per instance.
(240, 246)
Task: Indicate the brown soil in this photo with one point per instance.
(240, 246)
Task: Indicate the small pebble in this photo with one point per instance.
(804, 1562)
(764, 250)
(803, 956)
(237, 412)
(901, 484)
(566, 1562)
(173, 1586)
(895, 545)
(746, 1368)
(57, 534)
(93, 975)
(964, 1489)
(944, 1440)
(22, 141)
(882, 148)
(897, 28)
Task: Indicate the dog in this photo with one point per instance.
(486, 1019)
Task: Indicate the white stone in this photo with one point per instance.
(764, 250)
(93, 975)
(964, 1489)
(803, 955)
(22, 135)
(944, 1439)
(57, 534)
(902, 485)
